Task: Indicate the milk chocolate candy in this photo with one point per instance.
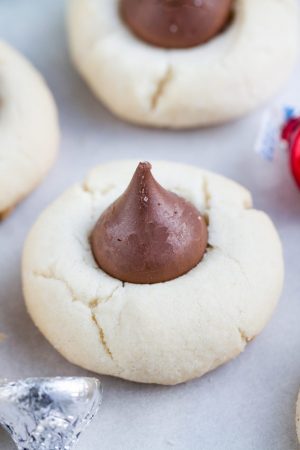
(176, 23)
(149, 234)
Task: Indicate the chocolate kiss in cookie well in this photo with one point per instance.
(149, 235)
(176, 23)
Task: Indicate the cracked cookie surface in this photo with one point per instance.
(166, 332)
(221, 80)
(29, 129)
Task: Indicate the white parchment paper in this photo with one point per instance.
(249, 404)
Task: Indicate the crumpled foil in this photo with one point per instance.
(48, 413)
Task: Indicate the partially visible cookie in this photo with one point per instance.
(218, 80)
(29, 131)
(164, 332)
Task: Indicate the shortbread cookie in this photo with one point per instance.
(215, 81)
(164, 332)
(29, 128)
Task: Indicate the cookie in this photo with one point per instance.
(218, 80)
(164, 332)
(29, 129)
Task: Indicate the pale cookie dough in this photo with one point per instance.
(298, 417)
(28, 128)
(208, 84)
(163, 333)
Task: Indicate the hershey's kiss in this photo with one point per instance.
(48, 413)
(176, 23)
(149, 235)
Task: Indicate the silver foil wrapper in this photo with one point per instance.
(48, 413)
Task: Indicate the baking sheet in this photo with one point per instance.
(248, 404)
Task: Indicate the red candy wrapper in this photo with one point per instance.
(290, 133)
(281, 128)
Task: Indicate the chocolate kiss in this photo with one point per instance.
(149, 234)
(176, 23)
